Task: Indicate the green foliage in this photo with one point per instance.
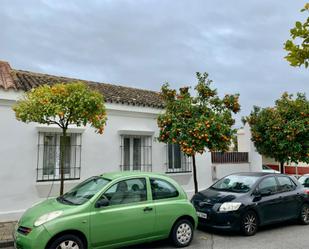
(282, 131)
(197, 122)
(63, 105)
(298, 53)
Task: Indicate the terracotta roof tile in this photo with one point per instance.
(6, 80)
(24, 80)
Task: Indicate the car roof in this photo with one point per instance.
(116, 175)
(259, 174)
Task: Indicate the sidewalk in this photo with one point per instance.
(6, 230)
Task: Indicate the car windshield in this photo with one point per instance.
(235, 183)
(304, 180)
(83, 191)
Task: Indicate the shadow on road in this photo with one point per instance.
(273, 227)
(207, 231)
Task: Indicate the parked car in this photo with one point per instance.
(304, 180)
(268, 169)
(245, 201)
(110, 210)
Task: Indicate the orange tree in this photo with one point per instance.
(198, 122)
(282, 132)
(298, 46)
(63, 105)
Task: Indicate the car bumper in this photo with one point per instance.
(221, 220)
(36, 239)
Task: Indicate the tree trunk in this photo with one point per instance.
(282, 167)
(296, 169)
(194, 175)
(62, 159)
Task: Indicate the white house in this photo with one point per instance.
(29, 153)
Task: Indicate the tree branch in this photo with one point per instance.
(53, 122)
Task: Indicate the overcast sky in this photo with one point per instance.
(144, 43)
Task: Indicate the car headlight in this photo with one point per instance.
(47, 217)
(229, 206)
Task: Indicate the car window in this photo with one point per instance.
(304, 180)
(268, 185)
(162, 189)
(235, 183)
(83, 191)
(127, 191)
(285, 184)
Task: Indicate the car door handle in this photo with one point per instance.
(147, 209)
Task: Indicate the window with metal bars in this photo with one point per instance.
(177, 161)
(136, 153)
(49, 154)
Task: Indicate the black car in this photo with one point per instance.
(245, 201)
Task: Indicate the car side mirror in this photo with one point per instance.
(102, 203)
(257, 194)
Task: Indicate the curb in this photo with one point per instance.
(4, 244)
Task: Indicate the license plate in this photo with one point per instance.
(201, 215)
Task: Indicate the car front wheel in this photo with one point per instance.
(304, 214)
(182, 233)
(249, 223)
(67, 242)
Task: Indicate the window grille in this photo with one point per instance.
(177, 161)
(136, 153)
(49, 153)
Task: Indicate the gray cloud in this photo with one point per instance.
(143, 43)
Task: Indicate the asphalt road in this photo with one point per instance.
(284, 236)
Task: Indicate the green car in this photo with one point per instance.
(110, 210)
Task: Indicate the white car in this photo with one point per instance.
(304, 180)
(265, 168)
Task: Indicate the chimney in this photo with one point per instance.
(6, 79)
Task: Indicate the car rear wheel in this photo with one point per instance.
(304, 214)
(67, 242)
(249, 223)
(182, 233)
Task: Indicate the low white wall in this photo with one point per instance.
(221, 170)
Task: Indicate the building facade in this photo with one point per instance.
(30, 152)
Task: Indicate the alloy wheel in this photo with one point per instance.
(184, 233)
(68, 244)
(305, 214)
(250, 223)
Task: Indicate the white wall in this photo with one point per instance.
(246, 145)
(204, 179)
(230, 168)
(100, 153)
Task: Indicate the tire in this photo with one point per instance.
(304, 214)
(68, 241)
(182, 233)
(249, 223)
